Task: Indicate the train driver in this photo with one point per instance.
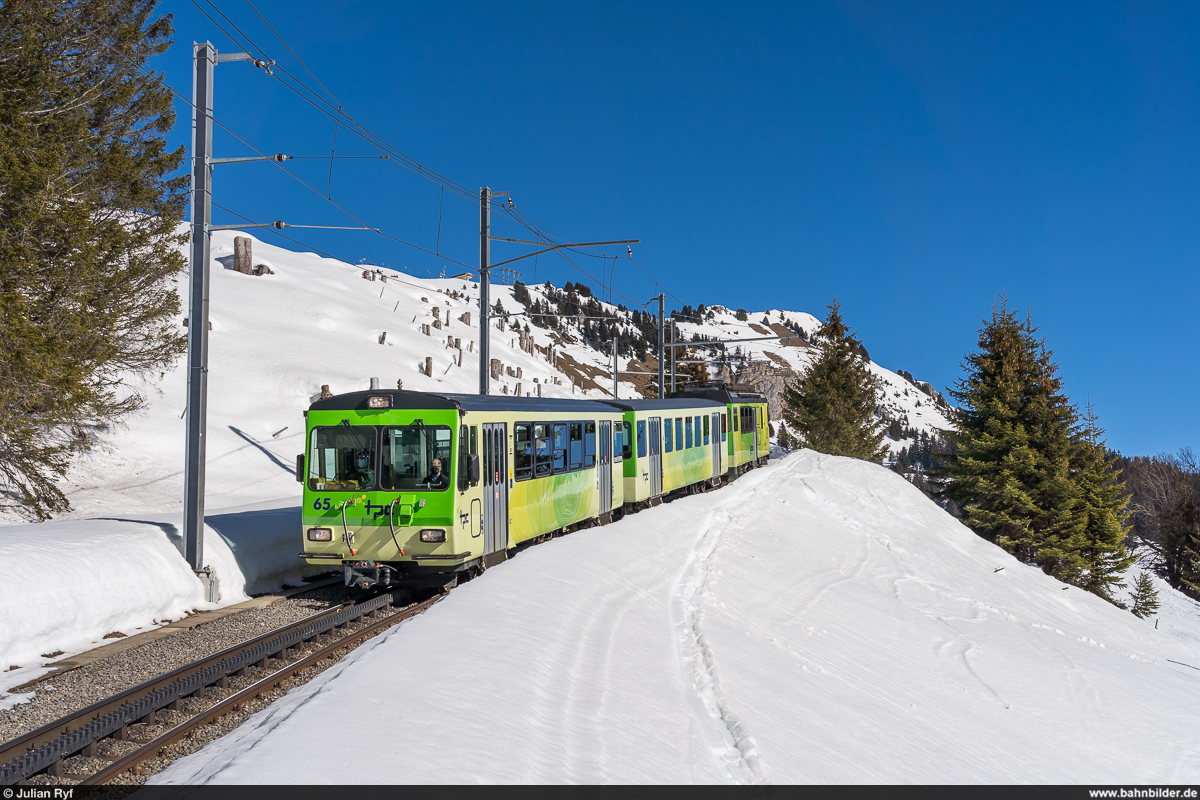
(437, 479)
(363, 473)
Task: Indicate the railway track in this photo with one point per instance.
(272, 656)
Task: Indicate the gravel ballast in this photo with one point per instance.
(62, 694)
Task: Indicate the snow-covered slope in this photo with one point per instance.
(277, 338)
(819, 621)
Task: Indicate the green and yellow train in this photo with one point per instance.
(415, 488)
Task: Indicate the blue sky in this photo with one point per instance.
(915, 159)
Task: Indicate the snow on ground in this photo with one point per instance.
(65, 585)
(819, 621)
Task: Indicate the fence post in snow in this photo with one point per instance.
(243, 260)
(429, 366)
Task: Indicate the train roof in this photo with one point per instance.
(654, 404)
(417, 401)
(721, 394)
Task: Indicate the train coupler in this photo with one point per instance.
(368, 574)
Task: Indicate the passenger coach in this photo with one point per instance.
(421, 488)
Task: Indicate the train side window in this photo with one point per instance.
(575, 460)
(618, 443)
(706, 430)
(463, 437)
(678, 432)
(724, 423)
(641, 438)
(589, 445)
(733, 418)
(696, 441)
(541, 449)
(687, 432)
(560, 447)
(626, 440)
(667, 438)
(522, 451)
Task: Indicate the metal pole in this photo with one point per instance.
(661, 350)
(674, 354)
(204, 56)
(485, 309)
(614, 367)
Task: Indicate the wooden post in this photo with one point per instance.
(400, 383)
(243, 261)
(465, 319)
(429, 366)
(325, 393)
(383, 337)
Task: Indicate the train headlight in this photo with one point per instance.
(433, 535)
(320, 534)
(380, 402)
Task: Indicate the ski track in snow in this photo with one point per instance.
(731, 744)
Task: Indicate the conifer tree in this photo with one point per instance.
(831, 407)
(1102, 509)
(1145, 596)
(90, 200)
(1011, 472)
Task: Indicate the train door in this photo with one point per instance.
(715, 425)
(655, 456)
(605, 467)
(495, 486)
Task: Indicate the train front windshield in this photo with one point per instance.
(415, 458)
(406, 458)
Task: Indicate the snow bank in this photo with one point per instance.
(819, 621)
(64, 585)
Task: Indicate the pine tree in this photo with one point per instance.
(1145, 596)
(831, 407)
(88, 247)
(1102, 507)
(1019, 470)
(784, 439)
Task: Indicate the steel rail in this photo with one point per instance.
(111, 717)
(48, 733)
(154, 748)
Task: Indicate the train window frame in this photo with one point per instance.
(626, 440)
(618, 442)
(641, 438)
(446, 456)
(311, 484)
(463, 453)
(679, 432)
(668, 439)
(589, 445)
(520, 472)
(558, 464)
(574, 446)
(543, 462)
(733, 418)
(687, 433)
(724, 423)
(706, 431)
